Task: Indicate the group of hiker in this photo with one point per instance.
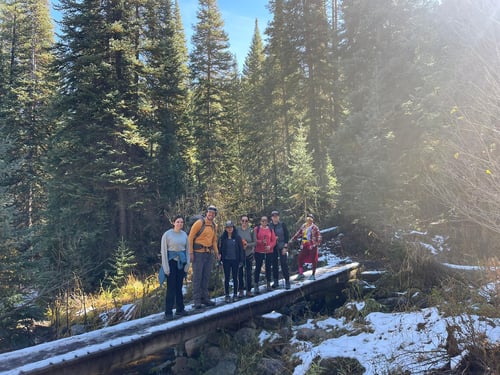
(237, 249)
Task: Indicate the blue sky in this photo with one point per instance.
(239, 21)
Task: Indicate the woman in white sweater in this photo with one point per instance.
(175, 263)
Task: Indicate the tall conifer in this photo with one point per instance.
(166, 85)
(255, 133)
(26, 89)
(210, 64)
(98, 154)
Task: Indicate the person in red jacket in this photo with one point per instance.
(265, 240)
(310, 239)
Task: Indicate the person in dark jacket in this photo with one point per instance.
(280, 250)
(232, 257)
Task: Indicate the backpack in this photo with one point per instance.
(256, 229)
(200, 231)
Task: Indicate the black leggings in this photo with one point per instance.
(230, 267)
(259, 259)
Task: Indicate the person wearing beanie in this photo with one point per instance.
(202, 244)
(232, 257)
(280, 253)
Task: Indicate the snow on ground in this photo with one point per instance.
(413, 341)
(410, 341)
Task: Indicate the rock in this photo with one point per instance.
(193, 346)
(223, 368)
(270, 366)
(305, 334)
(77, 329)
(211, 356)
(182, 366)
(245, 336)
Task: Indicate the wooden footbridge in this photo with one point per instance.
(101, 351)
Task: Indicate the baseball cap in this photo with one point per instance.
(212, 208)
(275, 213)
(311, 216)
(229, 223)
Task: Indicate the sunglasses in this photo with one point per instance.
(244, 220)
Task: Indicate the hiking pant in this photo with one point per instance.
(259, 259)
(202, 267)
(174, 288)
(230, 269)
(283, 262)
(247, 280)
(308, 254)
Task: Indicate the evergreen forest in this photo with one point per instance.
(379, 116)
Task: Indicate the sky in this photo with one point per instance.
(411, 341)
(239, 21)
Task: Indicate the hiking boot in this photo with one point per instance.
(268, 287)
(181, 313)
(235, 298)
(227, 299)
(287, 284)
(300, 277)
(312, 277)
(169, 316)
(275, 285)
(208, 303)
(197, 306)
(249, 293)
(256, 290)
(240, 294)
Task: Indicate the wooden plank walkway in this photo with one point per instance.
(100, 351)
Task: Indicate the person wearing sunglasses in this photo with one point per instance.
(245, 273)
(265, 240)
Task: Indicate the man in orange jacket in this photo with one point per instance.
(202, 242)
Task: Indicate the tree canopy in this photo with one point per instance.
(379, 112)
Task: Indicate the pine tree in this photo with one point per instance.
(98, 154)
(377, 147)
(17, 310)
(284, 110)
(254, 134)
(210, 65)
(165, 105)
(122, 263)
(26, 88)
(302, 181)
(315, 62)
